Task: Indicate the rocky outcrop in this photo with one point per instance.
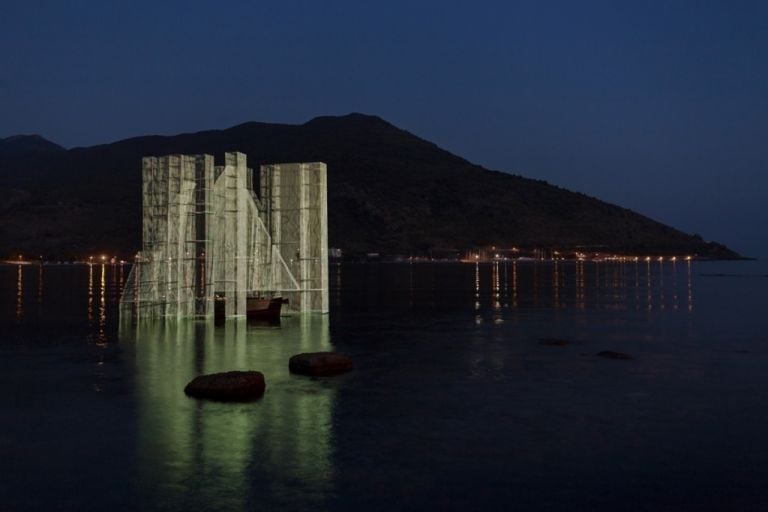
(228, 386)
(319, 363)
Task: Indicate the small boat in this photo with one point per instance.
(264, 308)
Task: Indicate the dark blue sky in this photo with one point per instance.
(660, 106)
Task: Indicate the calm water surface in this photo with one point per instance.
(454, 403)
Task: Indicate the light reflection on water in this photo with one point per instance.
(19, 291)
(219, 454)
(504, 285)
(451, 392)
(497, 287)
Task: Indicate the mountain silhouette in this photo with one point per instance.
(389, 191)
(23, 144)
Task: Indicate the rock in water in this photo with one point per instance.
(319, 363)
(610, 354)
(553, 342)
(227, 386)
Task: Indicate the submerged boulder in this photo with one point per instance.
(611, 354)
(227, 386)
(553, 342)
(319, 363)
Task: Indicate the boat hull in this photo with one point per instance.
(264, 309)
(257, 308)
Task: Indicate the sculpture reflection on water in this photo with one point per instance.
(221, 455)
(208, 236)
(209, 239)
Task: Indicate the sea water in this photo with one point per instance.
(476, 387)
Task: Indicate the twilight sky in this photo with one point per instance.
(659, 106)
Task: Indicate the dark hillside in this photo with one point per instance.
(389, 191)
(19, 145)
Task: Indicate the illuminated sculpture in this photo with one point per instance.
(208, 236)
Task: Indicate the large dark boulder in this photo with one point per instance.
(319, 363)
(227, 386)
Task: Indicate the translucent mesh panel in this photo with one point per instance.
(207, 237)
